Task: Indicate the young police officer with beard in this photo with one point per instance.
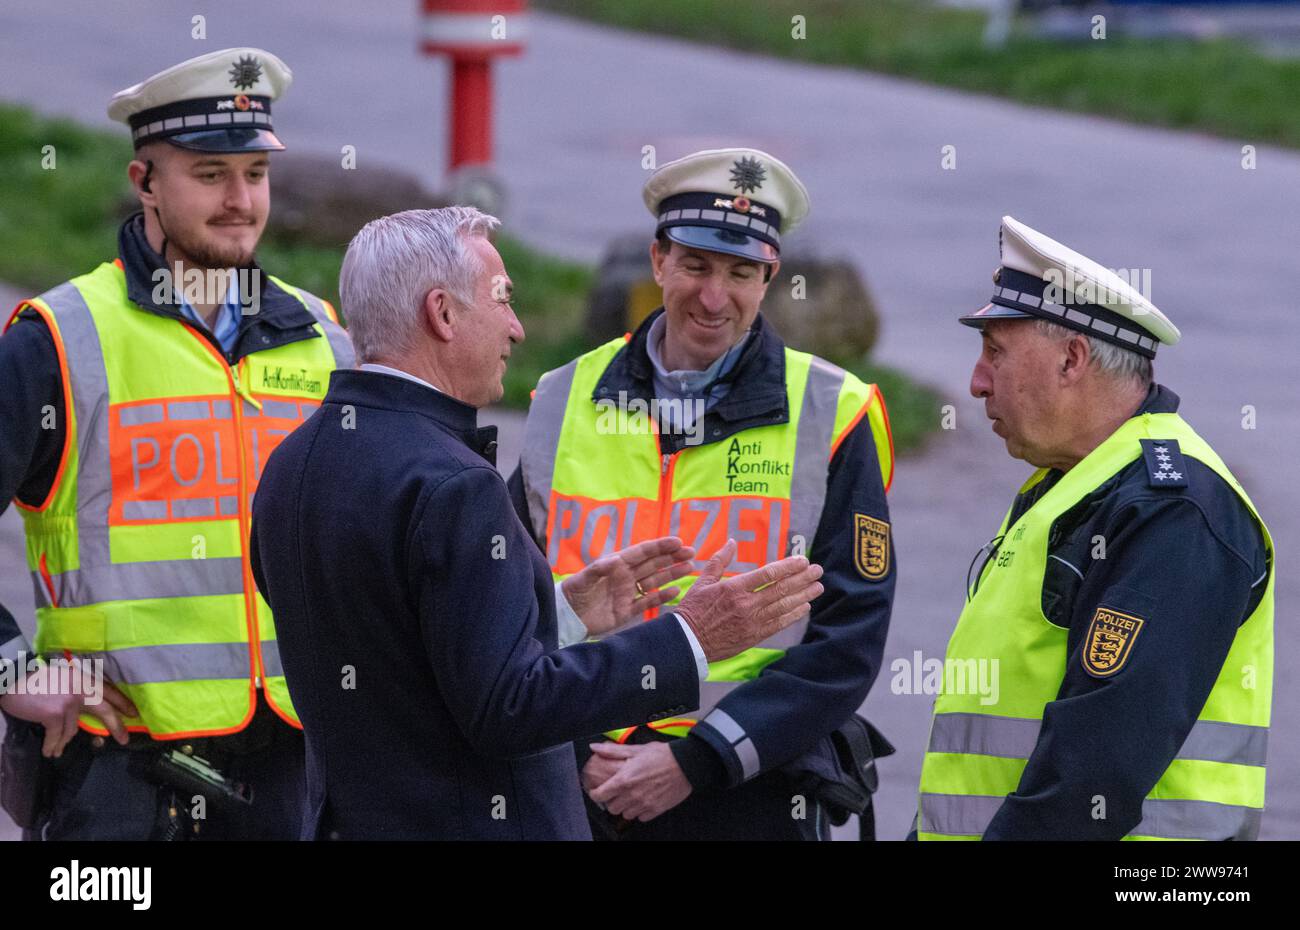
(138, 404)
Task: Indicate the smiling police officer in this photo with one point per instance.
(1127, 598)
(753, 441)
(138, 404)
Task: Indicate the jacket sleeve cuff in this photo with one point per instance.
(699, 763)
(571, 629)
(732, 744)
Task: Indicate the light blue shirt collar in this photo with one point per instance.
(226, 323)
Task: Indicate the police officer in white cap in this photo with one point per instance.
(1125, 605)
(138, 404)
(703, 424)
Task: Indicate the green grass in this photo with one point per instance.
(55, 224)
(1220, 86)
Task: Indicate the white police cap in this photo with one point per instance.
(736, 201)
(218, 102)
(1041, 278)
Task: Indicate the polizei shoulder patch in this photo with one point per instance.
(1109, 642)
(871, 553)
(1166, 467)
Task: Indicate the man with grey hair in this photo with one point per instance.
(435, 699)
(1126, 603)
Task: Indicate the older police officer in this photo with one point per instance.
(1127, 598)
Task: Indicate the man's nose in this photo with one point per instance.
(981, 384)
(713, 295)
(239, 196)
(516, 328)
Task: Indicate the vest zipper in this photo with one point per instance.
(667, 462)
(241, 506)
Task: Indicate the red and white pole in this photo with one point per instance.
(472, 33)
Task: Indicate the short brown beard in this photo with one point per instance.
(203, 256)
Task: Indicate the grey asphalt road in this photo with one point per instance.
(574, 116)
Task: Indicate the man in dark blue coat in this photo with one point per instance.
(416, 617)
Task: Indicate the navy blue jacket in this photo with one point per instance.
(416, 623)
(790, 710)
(1188, 560)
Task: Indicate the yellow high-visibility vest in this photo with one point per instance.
(139, 553)
(597, 481)
(1213, 789)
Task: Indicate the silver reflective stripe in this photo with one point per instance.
(137, 665)
(144, 510)
(279, 408)
(10, 651)
(541, 439)
(958, 814)
(271, 666)
(1236, 743)
(340, 343)
(188, 410)
(194, 507)
(985, 735)
(744, 748)
(128, 581)
(812, 450)
(808, 474)
(144, 413)
(748, 756)
(89, 382)
(1016, 738)
(1198, 820)
(726, 726)
(970, 815)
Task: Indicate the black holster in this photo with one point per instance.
(841, 773)
(25, 774)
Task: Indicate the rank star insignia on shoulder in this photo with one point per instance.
(1166, 467)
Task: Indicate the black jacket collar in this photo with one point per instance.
(389, 392)
(757, 395)
(1159, 399)
(281, 318)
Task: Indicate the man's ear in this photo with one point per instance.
(1077, 358)
(440, 314)
(657, 262)
(142, 177)
(770, 271)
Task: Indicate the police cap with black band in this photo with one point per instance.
(1042, 279)
(218, 102)
(735, 201)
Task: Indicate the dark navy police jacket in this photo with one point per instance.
(416, 622)
(1190, 561)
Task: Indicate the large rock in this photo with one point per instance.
(316, 200)
(817, 305)
(822, 306)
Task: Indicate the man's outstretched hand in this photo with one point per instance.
(727, 617)
(604, 595)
